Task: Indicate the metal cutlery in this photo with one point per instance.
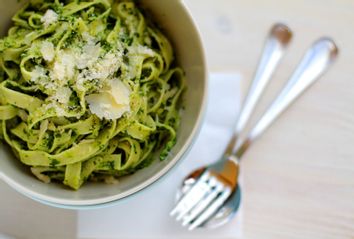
(211, 195)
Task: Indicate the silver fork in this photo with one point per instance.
(274, 49)
(217, 183)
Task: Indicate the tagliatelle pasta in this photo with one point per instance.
(88, 90)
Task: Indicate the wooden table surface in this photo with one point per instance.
(299, 177)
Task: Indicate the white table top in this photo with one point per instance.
(299, 177)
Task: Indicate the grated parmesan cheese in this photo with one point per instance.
(101, 70)
(89, 55)
(64, 67)
(56, 107)
(47, 51)
(49, 18)
(92, 70)
(38, 73)
(62, 95)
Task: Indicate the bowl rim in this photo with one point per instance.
(109, 200)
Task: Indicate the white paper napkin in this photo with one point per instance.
(146, 214)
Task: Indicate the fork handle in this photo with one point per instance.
(316, 60)
(273, 51)
(275, 45)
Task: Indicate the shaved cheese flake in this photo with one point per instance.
(112, 103)
(120, 92)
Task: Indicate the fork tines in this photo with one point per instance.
(202, 200)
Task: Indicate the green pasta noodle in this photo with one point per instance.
(89, 90)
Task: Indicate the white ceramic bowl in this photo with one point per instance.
(176, 22)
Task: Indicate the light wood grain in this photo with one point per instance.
(299, 177)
